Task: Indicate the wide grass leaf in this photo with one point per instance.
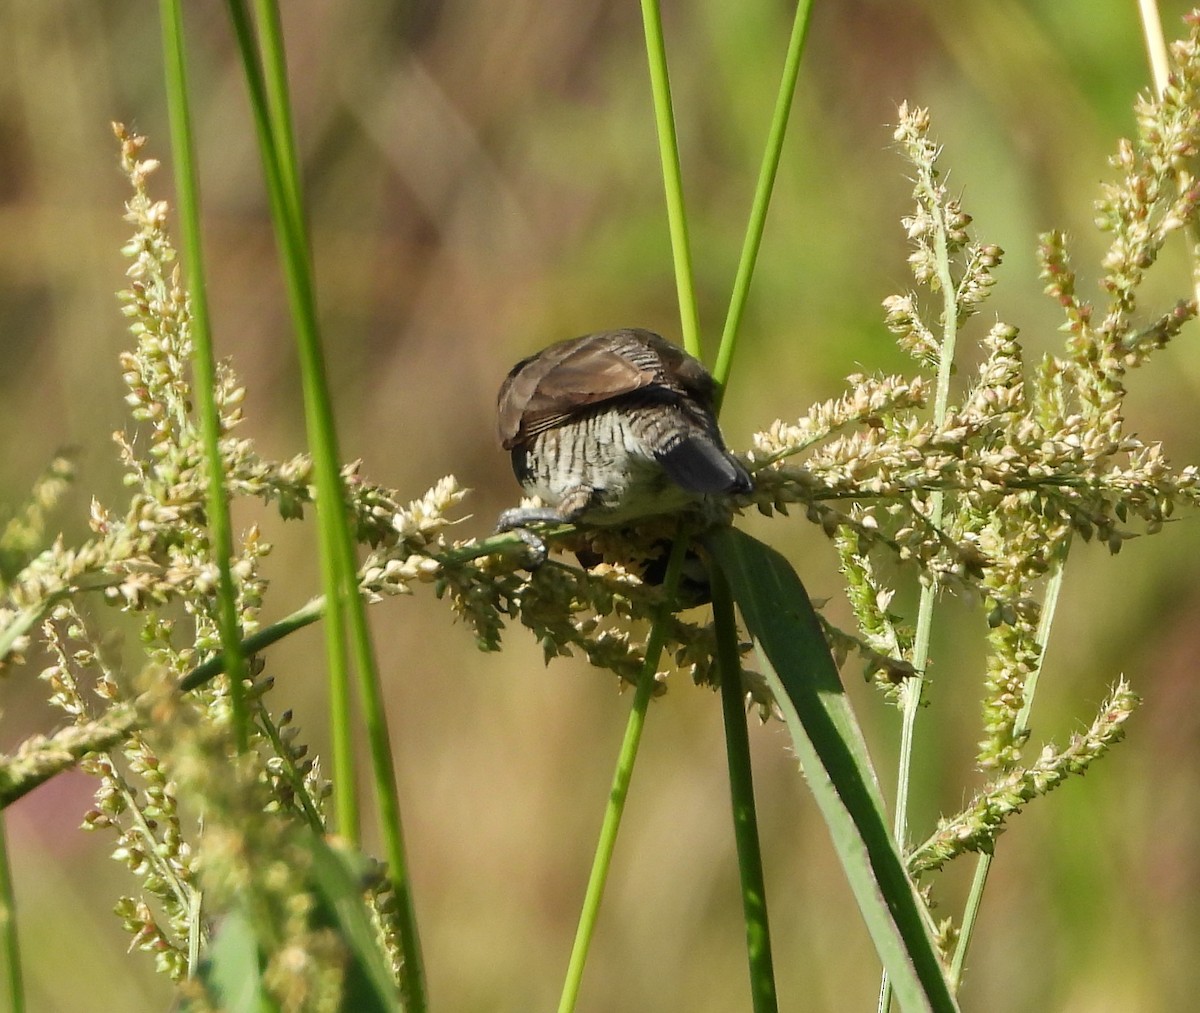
(368, 986)
(232, 968)
(795, 659)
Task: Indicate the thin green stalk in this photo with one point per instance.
(305, 615)
(10, 943)
(279, 104)
(203, 363)
(1156, 43)
(341, 734)
(620, 786)
(69, 745)
(1045, 621)
(293, 246)
(1160, 69)
(342, 740)
(914, 686)
(668, 149)
(1020, 730)
(911, 701)
(338, 544)
(970, 917)
(62, 750)
(741, 791)
(299, 789)
(196, 933)
(26, 619)
(387, 801)
(762, 198)
(737, 741)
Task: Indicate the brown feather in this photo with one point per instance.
(565, 380)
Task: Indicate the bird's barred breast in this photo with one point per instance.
(611, 453)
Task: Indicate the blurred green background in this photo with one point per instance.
(483, 179)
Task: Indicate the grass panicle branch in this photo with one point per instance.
(983, 819)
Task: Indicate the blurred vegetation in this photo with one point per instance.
(483, 179)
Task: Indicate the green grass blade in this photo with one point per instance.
(279, 104)
(10, 944)
(338, 550)
(27, 619)
(762, 198)
(232, 968)
(615, 809)
(795, 659)
(293, 248)
(737, 745)
(668, 149)
(203, 362)
(741, 791)
(367, 986)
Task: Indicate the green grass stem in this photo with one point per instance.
(913, 688)
(279, 105)
(970, 919)
(741, 790)
(1159, 58)
(668, 149)
(10, 943)
(270, 107)
(737, 741)
(293, 246)
(762, 198)
(1156, 43)
(615, 808)
(203, 361)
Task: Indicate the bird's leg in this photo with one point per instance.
(518, 519)
(515, 520)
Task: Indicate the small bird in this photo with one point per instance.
(610, 427)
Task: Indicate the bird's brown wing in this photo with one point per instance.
(558, 383)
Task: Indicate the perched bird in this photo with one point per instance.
(613, 426)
